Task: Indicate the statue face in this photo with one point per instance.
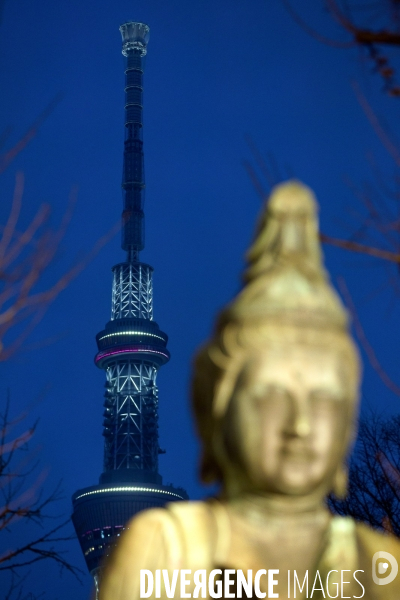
(288, 421)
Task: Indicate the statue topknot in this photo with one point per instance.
(285, 279)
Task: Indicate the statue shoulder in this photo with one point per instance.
(368, 540)
(379, 550)
(374, 541)
(373, 557)
(142, 546)
(160, 538)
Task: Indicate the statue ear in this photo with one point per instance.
(341, 477)
(209, 470)
(340, 482)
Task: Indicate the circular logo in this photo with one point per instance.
(382, 567)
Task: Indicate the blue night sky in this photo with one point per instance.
(216, 71)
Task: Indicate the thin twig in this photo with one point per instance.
(364, 341)
(312, 32)
(361, 248)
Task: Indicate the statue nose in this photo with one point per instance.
(302, 426)
(299, 422)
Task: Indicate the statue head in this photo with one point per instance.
(275, 390)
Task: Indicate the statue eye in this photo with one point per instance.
(276, 393)
(326, 396)
(270, 393)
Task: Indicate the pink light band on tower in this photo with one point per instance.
(128, 349)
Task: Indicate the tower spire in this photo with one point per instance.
(131, 349)
(135, 37)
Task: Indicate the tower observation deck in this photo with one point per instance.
(131, 349)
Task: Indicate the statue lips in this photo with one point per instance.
(297, 452)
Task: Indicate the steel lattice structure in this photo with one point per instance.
(132, 294)
(131, 349)
(131, 419)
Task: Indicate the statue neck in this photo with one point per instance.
(278, 506)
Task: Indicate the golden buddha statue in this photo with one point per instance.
(275, 395)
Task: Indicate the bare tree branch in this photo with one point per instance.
(374, 476)
(7, 158)
(23, 499)
(376, 365)
(313, 32)
(360, 248)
